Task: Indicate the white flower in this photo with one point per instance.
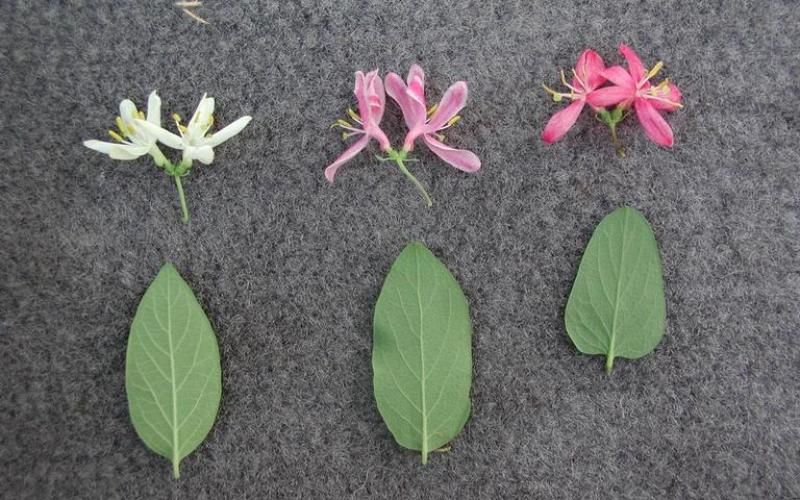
(194, 140)
(133, 140)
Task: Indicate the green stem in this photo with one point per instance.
(609, 363)
(413, 179)
(616, 141)
(184, 210)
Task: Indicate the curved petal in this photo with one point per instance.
(100, 146)
(619, 76)
(203, 154)
(127, 111)
(204, 109)
(590, 68)
(416, 84)
(376, 97)
(561, 122)
(654, 125)
(452, 102)
(397, 90)
(164, 136)
(128, 151)
(609, 96)
(671, 94)
(349, 153)
(226, 133)
(459, 158)
(635, 66)
(154, 109)
(361, 95)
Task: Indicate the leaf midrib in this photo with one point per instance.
(613, 340)
(175, 447)
(422, 367)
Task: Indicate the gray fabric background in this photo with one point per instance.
(289, 267)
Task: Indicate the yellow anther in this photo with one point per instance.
(181, 128)
(176, 117)
(452, 121)
(120, 124)
(116, 136)
(141, 116)
(432, 110)
(653, 72)
(557, 96)
(355, 116)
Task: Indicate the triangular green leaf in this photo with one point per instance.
(422, 352)
(172, 369)
(617, 305)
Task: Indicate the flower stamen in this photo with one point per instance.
(116, 136)
(355, 116)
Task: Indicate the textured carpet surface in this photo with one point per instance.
(288, 267)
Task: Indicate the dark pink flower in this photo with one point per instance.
(632, 87)
(586, 77)
(371, 104)
(428, 124)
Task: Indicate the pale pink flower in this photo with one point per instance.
(429, 123)
(371, 104)
(632, 88)
(586, 77)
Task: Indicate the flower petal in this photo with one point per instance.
(561, 122)
(635, 66)
(397, 90)
(203, 154)
(672, 94)
(204, 109)
(590, 68)
(102, 147)
(128, 151)
(619, 76)
(654, 125)
(127, 111)
(349, 153)
(361, 96)
(376, 97)
(416, 84)
(154, 109)
(459, 158)
(226, 133)
(164, 136)
(453, 101)
(609, 96)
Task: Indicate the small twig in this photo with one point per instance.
(185, 6)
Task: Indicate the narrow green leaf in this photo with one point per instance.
(172, 369)
(422, 352)
(617, 305)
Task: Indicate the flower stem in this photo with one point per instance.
(616, 141)
(413, 179)
(184, 210)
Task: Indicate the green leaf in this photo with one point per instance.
(172, 369)
(617, 305)
(422, 352)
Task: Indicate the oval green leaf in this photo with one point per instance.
(617, 304)
(172, 369)
(422, 352)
